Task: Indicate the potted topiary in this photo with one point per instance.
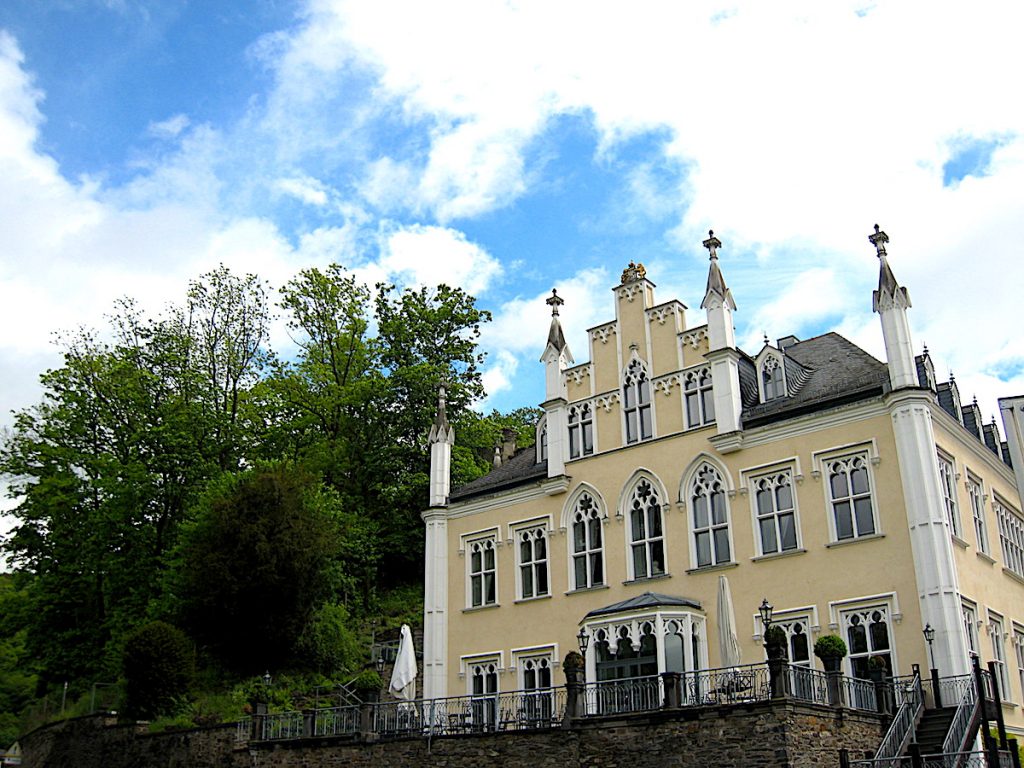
(877, 668)
(368, 685)
(830, 649)
(573, 665)
(775, 642)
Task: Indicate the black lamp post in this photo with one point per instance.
(266, 678)
(380, 663)
(765, 609)
(929, 636)
(584, 641)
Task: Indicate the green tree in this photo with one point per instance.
(256, 563)
(158, 664)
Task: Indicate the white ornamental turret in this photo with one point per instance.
(891, 301)
(722, 352)
(556, 359)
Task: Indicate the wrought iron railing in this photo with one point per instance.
(243, 730)
(281, 726)
(910, 702)
(726, 685)
(808, 684)
(613, 697)
(945, 760)
(968, 706)
(858, 694)
(335, 721)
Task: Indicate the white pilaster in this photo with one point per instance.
(931, 546)
(435, 604)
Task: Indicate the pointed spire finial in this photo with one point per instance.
(554, 301)
(712, 244)
(441, 430)
(925, 350)
(879, 239)
(765, 335)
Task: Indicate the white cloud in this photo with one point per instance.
(170, 128)
(305, 189)
(426, 255)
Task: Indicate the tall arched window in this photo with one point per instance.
(646, 536)
(709, 518)
(771, 378)
(587, 546)
(637, 403)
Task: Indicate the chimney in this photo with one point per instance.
(508, 444)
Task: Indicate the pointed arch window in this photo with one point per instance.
(699, 398)
(646, 531)
(581, 431)
(772, 380)
(636, 400)
(587, 543)
(709, 518)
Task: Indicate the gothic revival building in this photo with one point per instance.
(861, 497)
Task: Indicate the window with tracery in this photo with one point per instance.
(698, 398)
(776, 514)
(977, 497)
(647, 542)
(947, 480)
(709, 518)
(581, 431)
(772, 378)
(868, 634)
(587, 547)
(849, 486)
(533, 562)
(637, 403)
(482, 585)
(1011, 537)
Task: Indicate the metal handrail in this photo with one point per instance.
(963, 721)
(911, 703)
(631, 694)
(726, 685)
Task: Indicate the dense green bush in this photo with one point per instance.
(830, 647)
(158, 665)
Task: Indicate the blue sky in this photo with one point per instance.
(513, 147)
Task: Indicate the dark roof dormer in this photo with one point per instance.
(925, 370)
(972, 418)
(949, 398)
(777, 374)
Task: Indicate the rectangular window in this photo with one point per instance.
(995, 631)
(698, 398)
(587, 553)
(849, 489)
(535, 706)
(483, 689)
(970, 619)
(947, 479)
(482, 573)
(977, 497)
(581, 431)
(1011, 536)
(532, 552)
(1018, 649)
(775, 511)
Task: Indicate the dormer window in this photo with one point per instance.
(772, 379)
(542, 439)
(637, 403)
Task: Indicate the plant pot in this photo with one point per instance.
(831, 663)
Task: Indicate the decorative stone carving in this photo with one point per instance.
(694, 338)
(633, 272)
(604, 332)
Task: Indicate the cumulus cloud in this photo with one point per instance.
(170, 128)
(429, 255)
(305, 189)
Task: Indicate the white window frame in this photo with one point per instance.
(997, 638)
(969, 617)
(648, 542)
(598, 512)
(711, 528)
(947, 482)
(822, 463)
(976, 494)
(865, 611)
(697, 383)
(634, 379)
(470, 543)
(1011, 536)
(1018, 652)
(522, 658)
(539, 568)
(581, 430)
(774, 358)
(542, 439)
(753, 482)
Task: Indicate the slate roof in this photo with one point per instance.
(646, 600)
(519, 470)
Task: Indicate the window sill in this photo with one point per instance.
(1013, 575)
(986, 557)
(856, 540)
(583, 590)
(717, 567)
(475, 608)
(959, 542)
(642, 579)
(533, 599)
(776, 555)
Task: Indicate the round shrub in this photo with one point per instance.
(775, 636)
(158, 664)
(830, 647)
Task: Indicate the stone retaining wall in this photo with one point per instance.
(758, 735)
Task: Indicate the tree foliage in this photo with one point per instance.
(158, 665)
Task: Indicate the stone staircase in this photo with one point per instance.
(932, 729)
